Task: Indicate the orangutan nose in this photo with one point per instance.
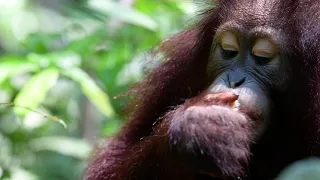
(235, 79)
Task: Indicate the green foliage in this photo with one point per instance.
(10, 66)
(38, 85)
(66, 60)
(305, 169)
(91, 90)
(131, 16)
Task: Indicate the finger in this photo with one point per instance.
(226, 97)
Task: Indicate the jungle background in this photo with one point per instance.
(63, 67)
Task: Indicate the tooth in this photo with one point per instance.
(235, 105)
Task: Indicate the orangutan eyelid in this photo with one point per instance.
(229, 42)
(228, 47)
(264, 48)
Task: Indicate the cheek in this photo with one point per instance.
(253, 100)
(216, 64)
(219, 85)
(276, 75)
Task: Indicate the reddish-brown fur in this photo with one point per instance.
(144, 151)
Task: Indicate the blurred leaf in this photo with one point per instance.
(123, 13)
(41, 42)
(66, 60)
(51, 165)
(77, 9)
(19, 174)
(91, 90)
(55, 118)
(13, 65)
(36, 89)
(62, 60)
(87, 45)
(1, 172)
(42, 60)
(302, 170)
(63, 145)
(112, 126)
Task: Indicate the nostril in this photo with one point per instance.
(234, 84)
(240, 82)
(235, 79)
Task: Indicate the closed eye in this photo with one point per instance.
(228, 54)
(262, 60)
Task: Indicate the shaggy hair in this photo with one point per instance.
(292, 134)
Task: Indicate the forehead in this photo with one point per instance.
(252, 13)
(256, 18)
